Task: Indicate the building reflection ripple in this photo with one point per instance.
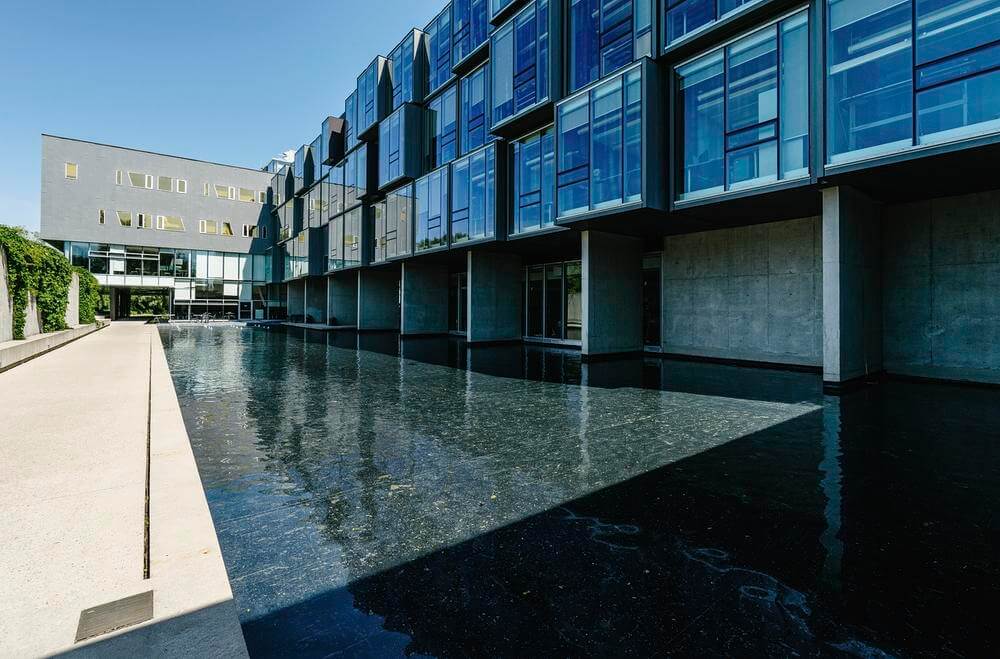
(379, 496)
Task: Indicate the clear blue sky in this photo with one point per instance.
(232, 81)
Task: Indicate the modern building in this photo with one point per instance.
(804, 184)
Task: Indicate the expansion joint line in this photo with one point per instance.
(149, 421)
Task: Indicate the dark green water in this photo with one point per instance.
(378, 500)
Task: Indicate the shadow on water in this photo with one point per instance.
(369, 504)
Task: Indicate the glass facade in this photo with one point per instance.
(554, 301)
(220, 283)
(345, 240)
(682, 18)
(534, 182)
(604, 36)
(497, 6)
(394, 224)
(519, 54)
(470, 27)
(439, 50)
(392, 147)
(474, 131)
(297, 257)
(473, 196)
(432, 210)
(370, 103)
(401, 70)
(355, 176)
(442, 121)
(333, 190)
(745, 112)
(910, 73)
(600, 146)
(351, 121)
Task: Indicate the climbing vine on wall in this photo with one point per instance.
(89, 296)
(35, 268)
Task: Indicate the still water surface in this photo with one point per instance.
(383, 498)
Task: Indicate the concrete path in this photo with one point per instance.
(74, 425)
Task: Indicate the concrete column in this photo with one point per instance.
(852, 291)
(378, 299)
(612, 293)
(494, 297)
(424, 298)
(342, 298)
(296, 301)
(315, 292)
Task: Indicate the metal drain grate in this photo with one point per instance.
(119, 614)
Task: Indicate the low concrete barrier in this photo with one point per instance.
(13, 353)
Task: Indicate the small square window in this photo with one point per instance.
(164, 184)
(182, 186)
(226, 229)
(125, 218)
(71, 171)
(261, 197)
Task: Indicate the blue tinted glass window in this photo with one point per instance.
(633, 136)
(474, 124)
(444, 128)
(351, 122)
(497, 6)
(401, 72)
(573, 174)
(685, 17)
(870, 74)
(368, 98)
(534, 182)
(745, 111)
(439, 49)
(390, 149)
(606, 171)
(948, 27)
(432, 210)
(471, 27)
(335, 251)
(473, 202)
(520, 60)
(583, 47)
(959, 109)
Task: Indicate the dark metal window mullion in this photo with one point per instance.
(777, 101)
(913, 73)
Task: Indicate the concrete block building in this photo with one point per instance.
(802, 184)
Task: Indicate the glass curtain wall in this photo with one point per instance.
(554, 301)
(519, 54)
(474, 131)
(905, 73)
(432, 210)
(439, 50)
(683, 18)
(393, 224)
(443, 127)
(351, 121)
(600, 146)
(534, 182)
(604, 36)
(473, 196)
(745, 111)
(470, 27)
(355, 176)
(401, 62)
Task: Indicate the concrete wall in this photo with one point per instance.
(32, 317)
(296, 300)
(378, 300)
(73, 306)
(424, 298)
(494, 296)
(342, 299)
(69, 208)
(612, 293)
(752, 293)
(315, 289)
(941, 274)
(852, 285)
(6, 310)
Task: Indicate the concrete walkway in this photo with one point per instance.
(74, 425)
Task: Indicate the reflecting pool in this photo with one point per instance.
(378, 497)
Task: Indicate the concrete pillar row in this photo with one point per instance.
(342, 299)
(494, 297)
(424, 298)
(612, 293)
(378, 299)
(852, 289)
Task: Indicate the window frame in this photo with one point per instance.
(71, 166)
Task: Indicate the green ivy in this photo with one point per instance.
(90, 295)
(33, 267)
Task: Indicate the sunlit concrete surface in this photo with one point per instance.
(73, 446)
